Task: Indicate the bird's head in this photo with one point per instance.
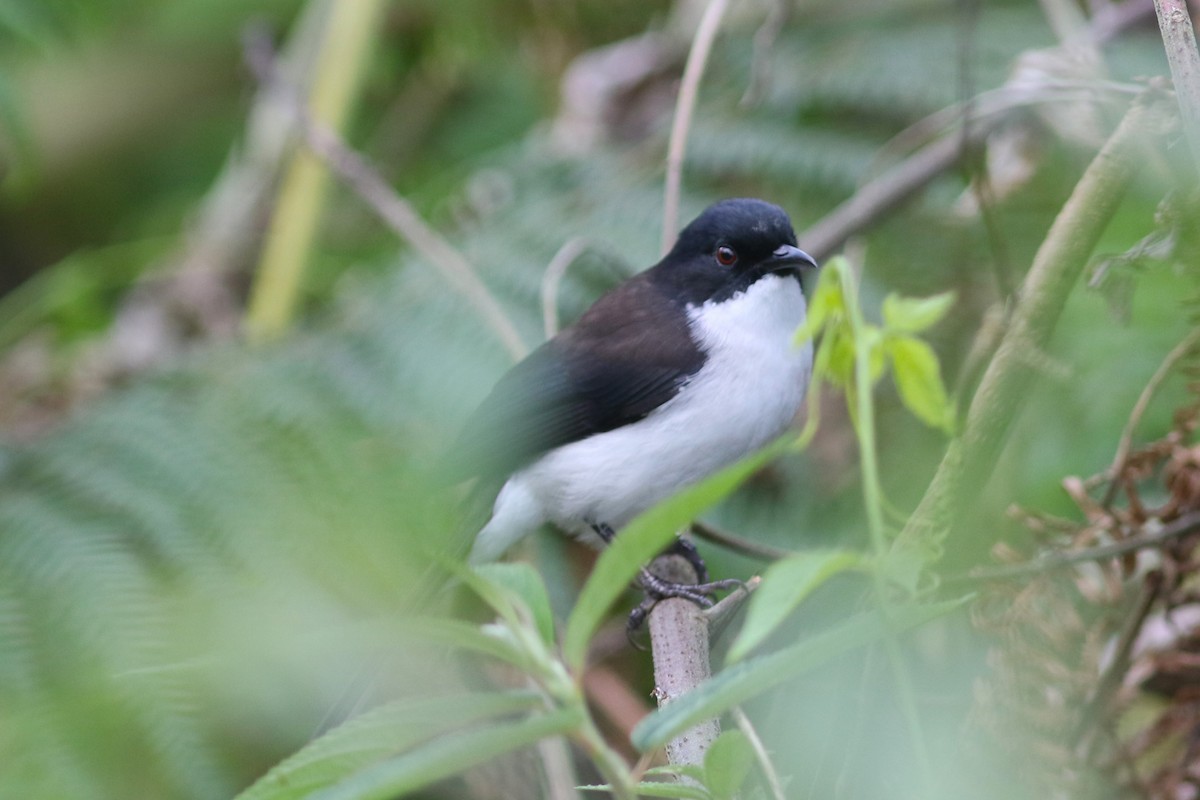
(729, 247)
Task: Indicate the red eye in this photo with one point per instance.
(726, 256)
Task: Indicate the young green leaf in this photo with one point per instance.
(377, 734)
(915, 314)
(727, 763)
(746, 679)
(644, 538)
(448, 755)
(919, 379)
(828, 303)
(524, 583)
(785, 585)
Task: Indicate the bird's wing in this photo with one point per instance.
(595, 376)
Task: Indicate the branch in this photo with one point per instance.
(760, 753)
(679, 643)
(365, 181)
(1180, 527)
(1055, 270)
(552, 277)
(1184, 60)
(875, 199)
(739, 545)
(1180, 350)
(685, 104)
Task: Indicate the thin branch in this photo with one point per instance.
(1118, 665)
(739, 545)
(720, 615)
(366, 181)
(1180, 527)
(553, 276)
(559, 770)
(1184, 60)
(1180, 350)
(875, 199)
(760, 753)
(685, 104)
(764, 40)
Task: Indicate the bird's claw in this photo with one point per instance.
(657, 588)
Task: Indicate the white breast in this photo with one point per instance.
(745, 395)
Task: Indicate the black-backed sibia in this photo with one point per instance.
(678, 372)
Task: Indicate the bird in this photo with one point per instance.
(674, 374)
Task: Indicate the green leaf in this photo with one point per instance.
(644, 538)
(525, 584)
(784, 586)
(915, 314)
(465, 635)
(673, 771)
(828, 302)
(376, 734)
(727, 763)
(449, 755)
(499, 598)
(744, 680)
(683, 791)
(919, 379)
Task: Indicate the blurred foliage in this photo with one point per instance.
(203, 570)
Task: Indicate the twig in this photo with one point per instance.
(1006, 381)
(685, 104)
(874, 199)
(764, 40)
(551, 278)
(1180, 527)
(880, 196)
(559, 770)
(358, 174)
(720, 615)
(1118, 665)
(1139, 409)
(760, 752)
(1184, 60)
(737, 544)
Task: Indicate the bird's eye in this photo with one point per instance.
(726, 256)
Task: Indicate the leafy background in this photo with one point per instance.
(212, 550)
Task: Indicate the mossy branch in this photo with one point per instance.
(1056, 267)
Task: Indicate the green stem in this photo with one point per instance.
(864, 340)
(611, 766)
(277, 286)
(865, 414)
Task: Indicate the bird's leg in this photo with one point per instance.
(657, 588)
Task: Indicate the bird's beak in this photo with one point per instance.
(790, 258)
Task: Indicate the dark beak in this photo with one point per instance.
(789, 258)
